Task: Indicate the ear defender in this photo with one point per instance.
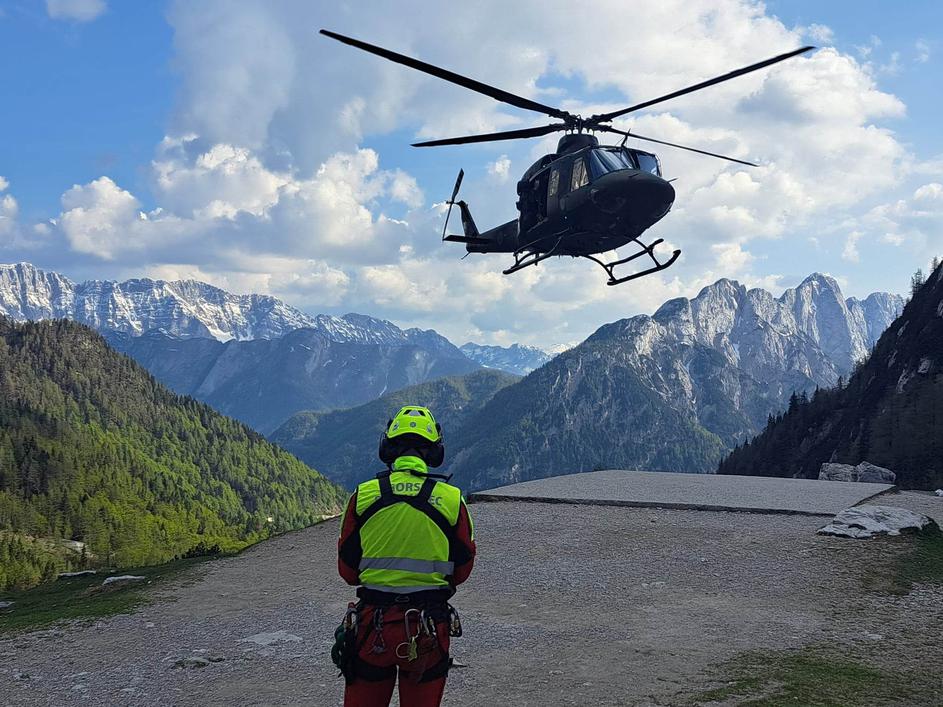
(387, 449)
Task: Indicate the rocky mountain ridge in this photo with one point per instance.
(674, 390)
(890, 412)
(181, 308)
(516, 358)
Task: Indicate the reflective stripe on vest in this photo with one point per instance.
(407, 564)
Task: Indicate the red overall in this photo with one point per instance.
(384, 651)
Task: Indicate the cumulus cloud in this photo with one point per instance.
(915, 222)
(500, 169)
(820, 33)
(75, 10)
(8, 210)
(850, 252)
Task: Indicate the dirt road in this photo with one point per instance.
(568, 605)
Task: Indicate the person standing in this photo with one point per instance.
(407, 541)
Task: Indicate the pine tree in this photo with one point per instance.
(916, 281)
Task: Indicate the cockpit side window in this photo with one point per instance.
(579, 176)
(554, 183)
(648, 163)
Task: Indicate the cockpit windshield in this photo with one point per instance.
(607, 160)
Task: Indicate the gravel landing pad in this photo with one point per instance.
(705, 492)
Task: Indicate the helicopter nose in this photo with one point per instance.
(655, 197)
(639, 198)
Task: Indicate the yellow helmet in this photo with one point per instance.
(413, 429)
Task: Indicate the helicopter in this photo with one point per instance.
(585, 199)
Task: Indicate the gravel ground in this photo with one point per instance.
(568, 605)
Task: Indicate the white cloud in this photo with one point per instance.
(97, 218)
(75, 10)
(850, 251)
(500, 169)
(929, 193)
(924, 51)
(820, 33)
(915, 222)
(9, 210)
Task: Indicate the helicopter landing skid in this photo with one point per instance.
(645, 250)
(525, 259)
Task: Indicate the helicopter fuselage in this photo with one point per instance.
(588, 200)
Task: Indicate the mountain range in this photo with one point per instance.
(889, 413)
(264, 382)
(516, 358)
(182, 308)
(673, 391)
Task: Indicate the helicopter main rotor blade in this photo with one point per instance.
(490, 137)
(606, 117)
(495, 93)
(606, 128)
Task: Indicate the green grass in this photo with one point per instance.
(74, 598)
(811, 679)
(919, 561)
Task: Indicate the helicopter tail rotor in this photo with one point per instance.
(451, 201)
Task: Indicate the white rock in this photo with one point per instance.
(123, 579)
(267, 639)
(867, 520)
(83, 573)
(8, 604)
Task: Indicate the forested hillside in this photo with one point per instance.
(890, 412)
(93, 448)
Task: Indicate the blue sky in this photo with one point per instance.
(227, 141)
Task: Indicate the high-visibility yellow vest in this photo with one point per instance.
(406, 527)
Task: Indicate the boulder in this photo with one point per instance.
(939, 492)
(871, 473)
(191, 662)
(866, 521)
(5, 604)
(865, 472)
(836, 472)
